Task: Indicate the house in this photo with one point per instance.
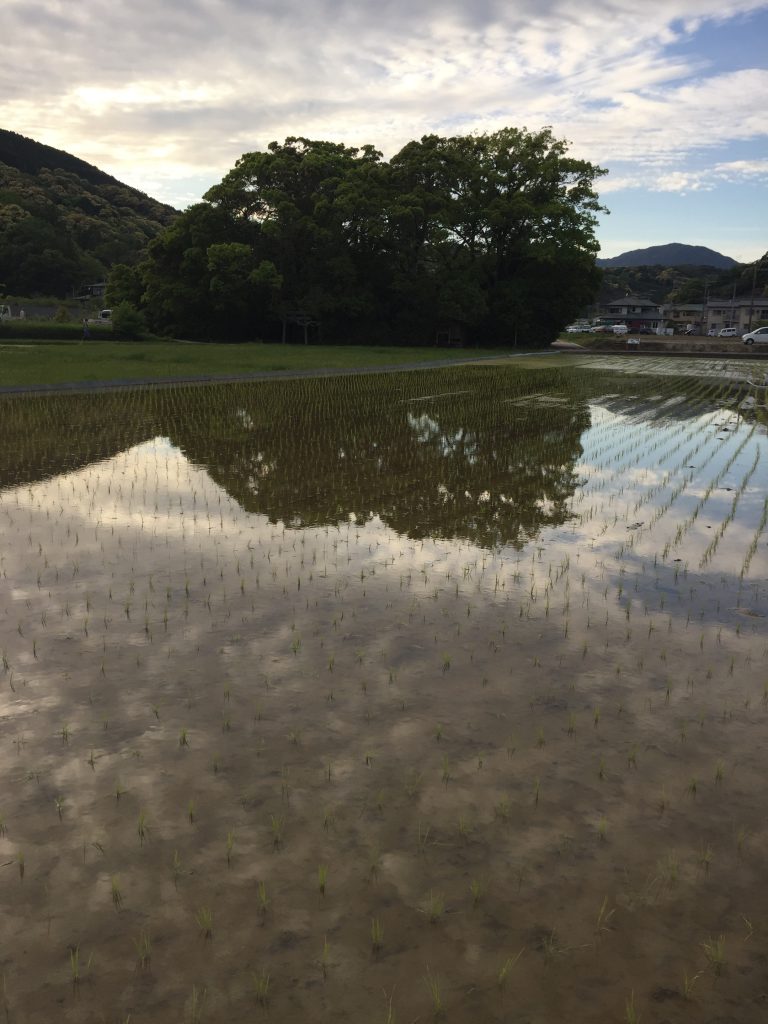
(634, 311)
(685, 316)
(742, 313)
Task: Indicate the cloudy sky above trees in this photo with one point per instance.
(669, 95)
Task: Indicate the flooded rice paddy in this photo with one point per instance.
(429, 695)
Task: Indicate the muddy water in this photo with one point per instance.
(339, 699)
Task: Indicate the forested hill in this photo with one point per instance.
(65, 223)
(675, 254)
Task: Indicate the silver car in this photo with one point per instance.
(761, 334)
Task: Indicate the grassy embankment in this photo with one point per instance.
(32, 363)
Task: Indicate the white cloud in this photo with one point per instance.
(156, 93)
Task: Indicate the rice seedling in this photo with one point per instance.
(263, 898)
(552, 947)
(322, 879)
(141, 826)
(183, 738)
(705, 858)
(143, 945)
(604, 917)
(204, 919)
(377, 934)
(631, 1014)
(230, 844)
(325, 957)
(688, 982)
(76, 968)
(669, 869)
(117, 896)
(374, 863)
(506, 967)
(277, 824)
(434, 987)
(433, 906)
(501, 810)
(464, 829)
(423, 836)
(176, 868)
(196, 1003)
(390, 1017)
(191, 812)
(261, 985)
(714, 951)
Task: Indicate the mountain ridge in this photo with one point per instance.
(673, 254)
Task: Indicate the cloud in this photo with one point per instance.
(164, 92)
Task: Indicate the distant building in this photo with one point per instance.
(742, 313)
(92, 291)
(634, 311)
(684, 316)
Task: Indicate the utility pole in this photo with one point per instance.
(752, 297)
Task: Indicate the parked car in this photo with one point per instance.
(575, 329)
(712, 332)
(620, 329)
(727, 332)
(761, 334)
(600, 329)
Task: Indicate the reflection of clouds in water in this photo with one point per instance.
(426, 429)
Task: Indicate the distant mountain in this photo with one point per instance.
(63, 222)
(673, 255)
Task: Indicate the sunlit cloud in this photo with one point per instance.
(168, 95)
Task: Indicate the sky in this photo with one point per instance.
(669, 95)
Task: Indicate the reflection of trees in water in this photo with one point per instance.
(464, 462)
(467, 452)
(46, 435)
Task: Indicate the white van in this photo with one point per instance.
(727, 332)
(620, 329)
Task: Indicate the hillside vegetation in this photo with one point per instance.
(65, 223)
(675, 254)
(686, 283)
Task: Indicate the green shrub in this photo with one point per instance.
(128, 322)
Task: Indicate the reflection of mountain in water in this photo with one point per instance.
(473, 452)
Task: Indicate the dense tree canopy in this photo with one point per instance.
(64, 223)
(490, 236)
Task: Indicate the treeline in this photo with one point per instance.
(478, 238)
(686, 283)
(64, 223)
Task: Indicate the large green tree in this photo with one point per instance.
(492, 232)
